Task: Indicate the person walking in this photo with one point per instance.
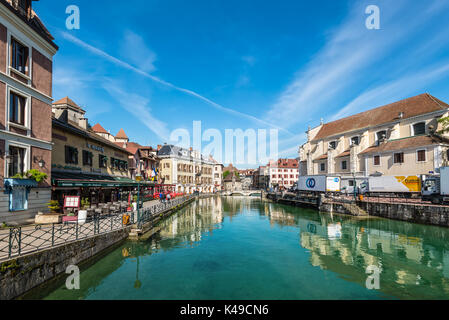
(168, 197)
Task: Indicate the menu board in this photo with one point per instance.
(72, 202)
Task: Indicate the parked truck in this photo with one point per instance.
(393, 185)
(435, 188)
(319, 184)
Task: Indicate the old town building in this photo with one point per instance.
(283, 174)
(261, 178)
(218, 175)
(26, 59)
(400, 138)
(232, 181)
(185, 170)
(84, 163)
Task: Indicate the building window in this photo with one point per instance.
(355, 141)
(103, 161)
(351, 183)
(115, 163)
(17, 107)
(344, 165)
(381, 135)
(19, 56)
(376, 160)
(17, 161)
(398, 157)
(419, 128)
(333, 145)
(71, 155)
(421, 155)
(322, 167)
(87, 158)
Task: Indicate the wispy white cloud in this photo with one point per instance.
(138, 106)
(249, 60)
(350, 55)
(393, 91)
(145, 74)
(136, 50)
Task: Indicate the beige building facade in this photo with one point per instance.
(397, 139)
(186, 170)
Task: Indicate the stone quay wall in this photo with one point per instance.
(423, 214)
(20, 275)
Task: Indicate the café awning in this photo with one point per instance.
(87, 180)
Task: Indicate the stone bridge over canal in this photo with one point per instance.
(243, 193)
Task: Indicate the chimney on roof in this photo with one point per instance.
(83, 123)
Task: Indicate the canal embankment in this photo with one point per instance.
(408, 210)
(33, 256)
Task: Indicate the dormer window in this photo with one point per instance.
(19, 56)
(333, 145)
(419, 129)
(355, 141)
(381, 135)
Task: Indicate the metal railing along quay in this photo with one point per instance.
(18, 241)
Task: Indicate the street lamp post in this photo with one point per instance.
(138, 179)
(355, 186)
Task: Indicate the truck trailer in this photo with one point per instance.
(319, 184)
(406, 185)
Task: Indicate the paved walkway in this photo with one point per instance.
(34, 238)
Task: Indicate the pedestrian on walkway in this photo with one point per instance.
(168, 197)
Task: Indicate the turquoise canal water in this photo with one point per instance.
(243, 248)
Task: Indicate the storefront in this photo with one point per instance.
(99, 189)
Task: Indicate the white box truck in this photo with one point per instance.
(435, 188)
(392, 184)
(319, 184)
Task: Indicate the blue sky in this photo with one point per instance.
(151, 67)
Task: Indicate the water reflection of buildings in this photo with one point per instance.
(202, 216)
(407, 264)
(413, 259)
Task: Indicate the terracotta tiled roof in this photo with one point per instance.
(131, 147)
(323, 157)
(411, 107)
(287, 163)
(68, 101)
(75, 128)
(121, 134)
(401, 144)
(347, 153)
(99, 129)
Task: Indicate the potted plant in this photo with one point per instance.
(54, 207)
(82, 214)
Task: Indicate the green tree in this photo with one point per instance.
(445, 124)
(225, 174)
